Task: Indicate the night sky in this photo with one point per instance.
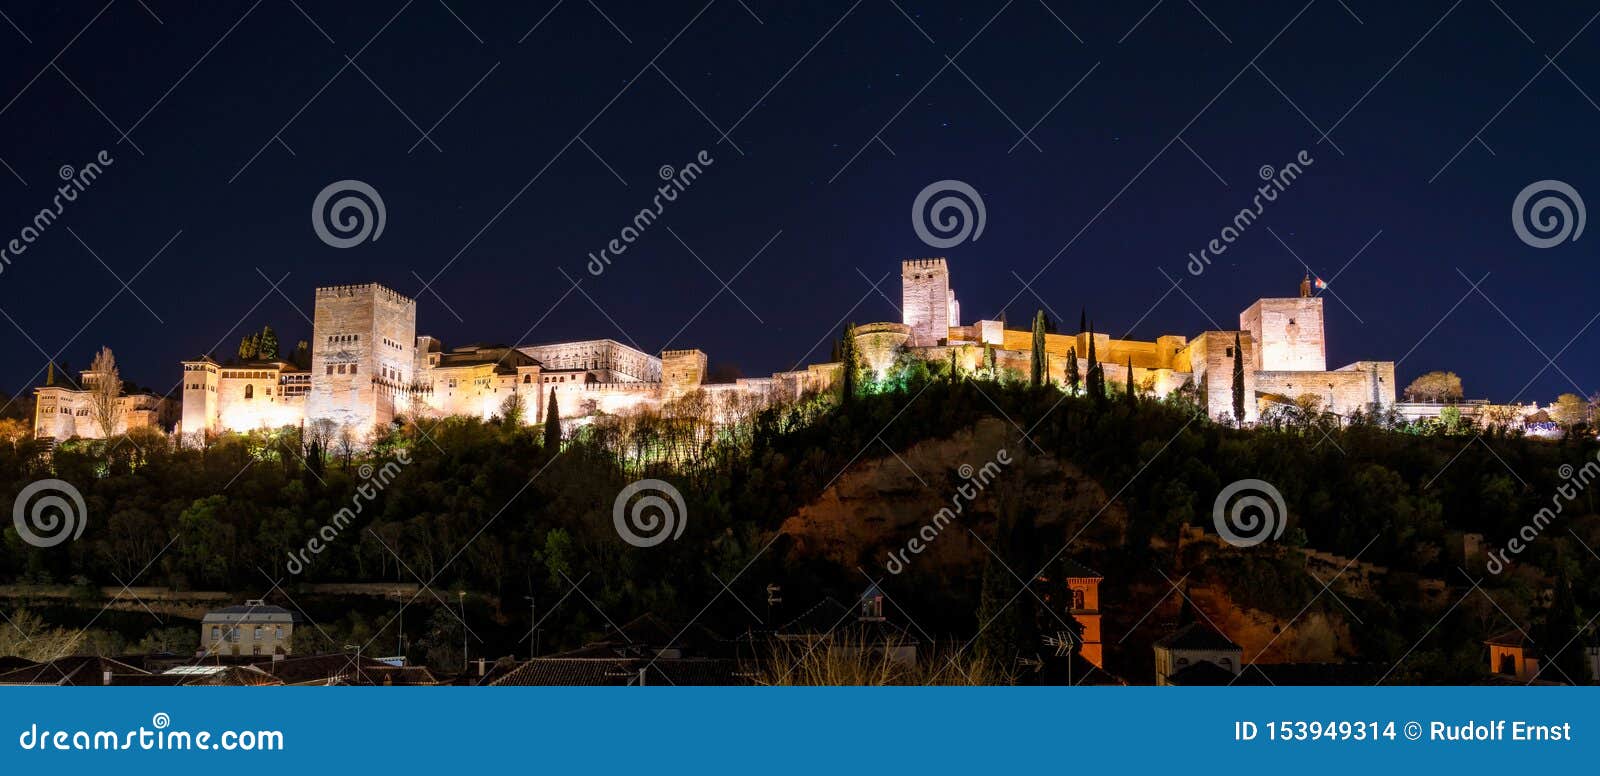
(552, 119)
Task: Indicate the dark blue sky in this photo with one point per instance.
(517, 194)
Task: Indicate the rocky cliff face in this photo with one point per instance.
(886, 503)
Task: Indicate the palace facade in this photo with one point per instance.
(368, 367)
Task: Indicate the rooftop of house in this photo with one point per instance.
(251, 612)
(73, 671)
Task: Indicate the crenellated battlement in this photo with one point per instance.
(386, 293)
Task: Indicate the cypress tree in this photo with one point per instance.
(1037, 375)
(249, 346)
(1238, 379)
(850, 361)
(267, 345)
(552, 425)
(1561, 638)
(1131, 395)
(1096, 378)
(1073, 379)
(955, 369)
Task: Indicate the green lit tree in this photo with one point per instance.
(1038, 375)
(1074, 380)
(267, 344)
(552, 425)
(850, 363)
(1096, 377)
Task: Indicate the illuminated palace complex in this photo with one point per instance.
(368, 367)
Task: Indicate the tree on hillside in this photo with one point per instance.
(1238, 379)
(105, 393)
(1435, 387)
(1073, 378)
(1570, 410)
(1037, 376)
(249, 346)
(552, 425)
(1562, 639)
(850, 362)
(511, 410)
(1132, 394)
(1096, 378)
(267, 344)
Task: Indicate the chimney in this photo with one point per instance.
(483, 667)
(105, 677)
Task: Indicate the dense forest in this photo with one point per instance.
(501, 510)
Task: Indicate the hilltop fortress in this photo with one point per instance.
(369, 367)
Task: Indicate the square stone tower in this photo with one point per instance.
(1288, 334)
(200, 412)
(682, 372)
(363, 356)
(927, 304)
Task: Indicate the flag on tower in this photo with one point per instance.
(1321, 285)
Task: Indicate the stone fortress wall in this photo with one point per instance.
(369, 366)
(1282, 341)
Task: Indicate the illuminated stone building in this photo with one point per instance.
(64, 412)
(1282, 344)
(368, 366)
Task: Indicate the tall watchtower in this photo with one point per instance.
(363, 346)
(927, 304)
(1288, 333)
(200, 380)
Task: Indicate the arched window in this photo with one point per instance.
(249, 392)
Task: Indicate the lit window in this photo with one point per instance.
(249, 392)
